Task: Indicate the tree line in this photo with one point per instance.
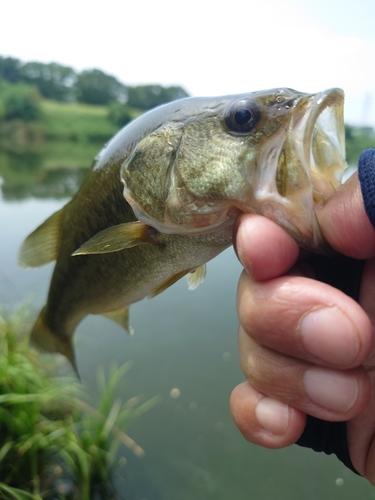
(23, 84)
(20, 80)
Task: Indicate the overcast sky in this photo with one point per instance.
(208, 47)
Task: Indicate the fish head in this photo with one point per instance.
(279, 153)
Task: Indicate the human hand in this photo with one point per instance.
(306, 347)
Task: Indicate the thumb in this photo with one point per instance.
(345, 224)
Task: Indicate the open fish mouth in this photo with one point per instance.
(316, 140)
(310, 165)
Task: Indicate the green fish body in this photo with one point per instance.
(162, 197)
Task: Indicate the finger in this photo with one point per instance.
(305, 319)
(264, 248)
(325, 393)
(263, 420)
(345, 224)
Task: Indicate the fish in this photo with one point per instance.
(162, 197)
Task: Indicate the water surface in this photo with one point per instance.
(184, 340)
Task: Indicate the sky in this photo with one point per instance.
(207, 47)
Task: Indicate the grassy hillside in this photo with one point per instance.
(66, 135)
(76, 122)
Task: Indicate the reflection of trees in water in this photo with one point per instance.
(59, 183)
(23, 176)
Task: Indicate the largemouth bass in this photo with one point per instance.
(162, 197)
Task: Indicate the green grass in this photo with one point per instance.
(76, 122)
(54, 443)
(68, 135)
(357, 140)
(69, 154)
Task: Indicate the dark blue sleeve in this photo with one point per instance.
(366, 176)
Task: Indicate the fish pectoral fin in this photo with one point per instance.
(44, 339)
(169, 282)
(41, 246)
(116, 238)
(196, 277)
(121, 317)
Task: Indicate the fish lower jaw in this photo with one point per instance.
(190, 224)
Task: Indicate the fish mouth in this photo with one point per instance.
(318, 132)
(309, 165)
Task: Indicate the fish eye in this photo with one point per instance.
(242, 116)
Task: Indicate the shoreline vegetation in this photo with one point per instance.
(52, 117)
(57, 443)
(41, 103)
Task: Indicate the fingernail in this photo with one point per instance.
(329, 334)
(331, 390)
(272, 415)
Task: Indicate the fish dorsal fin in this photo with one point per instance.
(116, 238)
(41, 246)
(170, 281)
(196, 277)
(121, 317)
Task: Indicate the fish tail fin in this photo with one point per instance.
(45, 339)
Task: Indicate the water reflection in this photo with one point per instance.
(23, 176)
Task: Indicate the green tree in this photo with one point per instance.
(119, 114)
(96, 87)
(10, 69)
(53, 80)
(148, 96)
(19, 101)
(357, 139)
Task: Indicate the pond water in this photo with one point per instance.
(183, 340)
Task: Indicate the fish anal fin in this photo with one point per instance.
(116, 238)
(169, 282)
(41, 246)
(196, 277)
(121, 317)
(44, 339)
